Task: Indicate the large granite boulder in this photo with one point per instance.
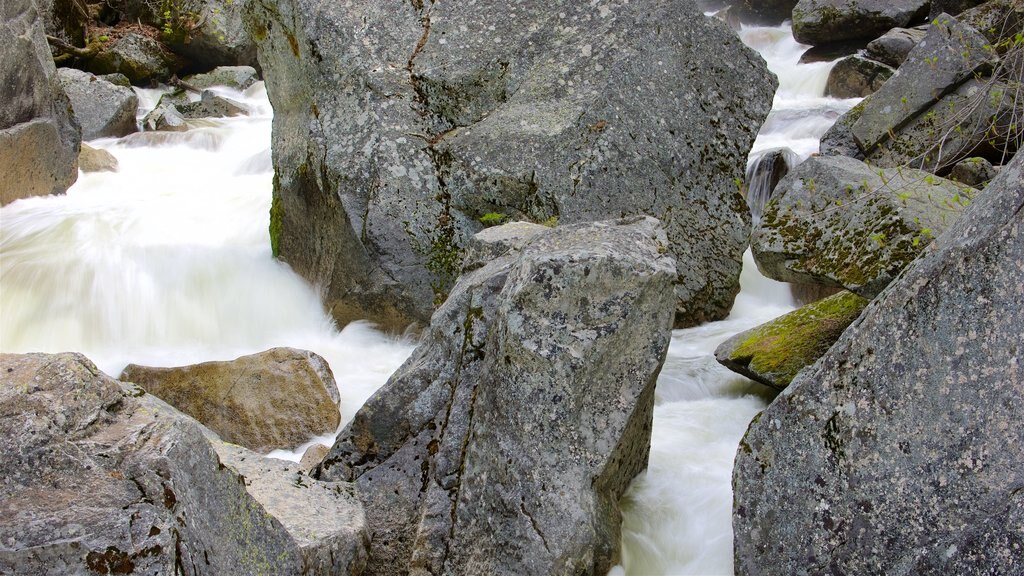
(142, 59)
(213, 35)
(39, 138)
(950, 53)
(762, 12)
(275, 399)
(856, 76)
(102, 109)
(237, 77)
(837, 221)
(900, 450)
(826, 21)
(893, 47)
(398, 125)
(773, 353)
(100, 477)
(503, 444)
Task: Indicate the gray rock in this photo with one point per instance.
(834, 220)
(275, 399)
(838, 139)
(893, 47)
(165, 118)
(773, 353)
(96, 160)
(832, 51)
(952, 7)
(116, 79)
(386, 159)
(974, 172)
(899, 451)
(762, 12)
(100, 477)
(140, 58)
(950, 53)
(764, 175)
(210, 105)
(824, 21)
(216, 36)
(856, 77)
(39, 138)
(980, 118)
(503, 444)
(492, 243)
(998, 20)
(102, 109)
(237, 77)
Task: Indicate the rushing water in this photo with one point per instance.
(167, 262)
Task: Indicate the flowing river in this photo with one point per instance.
(167, 262)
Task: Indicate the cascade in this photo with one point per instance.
(167, 262)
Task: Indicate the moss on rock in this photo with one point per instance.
(774, 352)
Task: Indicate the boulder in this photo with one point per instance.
(441, 113)
(503, 444)
(275, 399)
(39, 138)
(950, 53)
(165, 118)
(102, 109)
(838, 139)
(142, 59)
(975, 172)
(210, 105)
(774, 352)
(952, 7)
(980, 118)
(762, 12)
(824, 21)
(893, 47)
(237, 77)
(213, 36)
(856, 77)
(313, 456)
(899, 451)
(96, 160)
(763, 175)
(100, 477)
(834, 220)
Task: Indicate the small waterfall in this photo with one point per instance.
(763, 174)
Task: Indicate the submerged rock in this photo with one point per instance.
(100, 477)
(825, 21)
(275, 399)
(39, 138)
(102, 108)
(837, 221)
(503, 444)
(96, 160)
(901, 448)
(441, 113)
(774, 352)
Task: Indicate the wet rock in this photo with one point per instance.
(504, 442)
(237, 77)
(838, 140)
(900, 447)
(774, 352)
(386, 160)
(856, 77)
(139, 57)
(763, 12)
(824, 21)
(950, 53)
(313, 456)
(39, 138)
(275, 399)
(102, 109)
(215, 36)
(100, 477)
(831, 51)
(210, 105)
(893, 47)
(96, 160)
(764, 175)
(164, 118)
(974, 172)
(837, 221)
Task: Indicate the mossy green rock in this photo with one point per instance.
(774, 352)
(837, 221)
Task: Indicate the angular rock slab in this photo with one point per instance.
(275, 399)
(774, 352)
(503, 444)
(397, 125)
(39, 138)
(950, 53)
(834, 220)
(100, 477)
(900, 450)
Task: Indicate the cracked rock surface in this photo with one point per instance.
(503, 444)
(398, 125)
